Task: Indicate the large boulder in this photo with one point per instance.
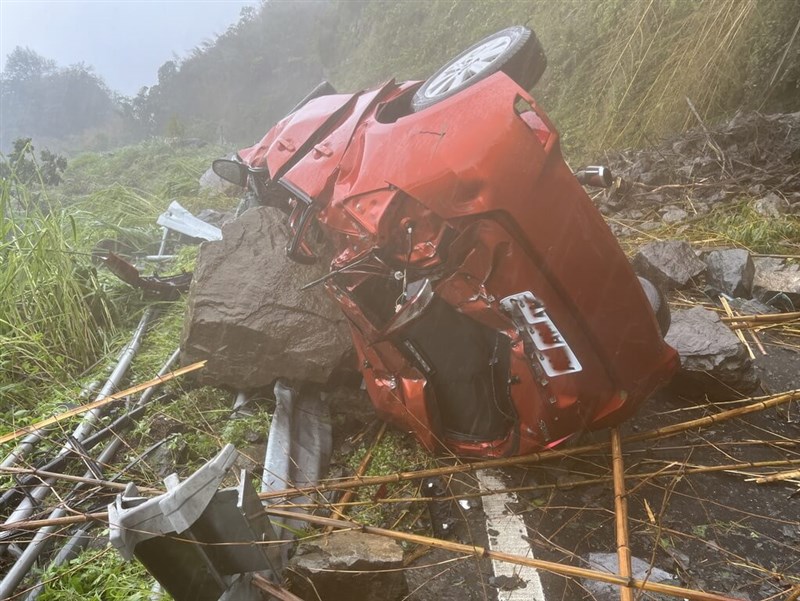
(731, 271)
(714, 363)
(348, 565)
(669, 264)
(247, 315)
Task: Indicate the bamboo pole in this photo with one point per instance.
(765, 403)
(480, 552)
(621, 514)
(794, 594)
(101, 402)
(340, 508)
(765, 318)
(274, 590)
(69, 478)
(777, 477)
(100, 516)
(738, 331)
(67, 520)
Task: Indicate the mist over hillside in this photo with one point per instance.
(620, 71)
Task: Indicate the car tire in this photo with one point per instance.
(515, 50)
(659, 304)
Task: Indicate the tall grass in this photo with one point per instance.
(619, 71)
(54, 317)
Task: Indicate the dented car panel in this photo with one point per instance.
(535, 327)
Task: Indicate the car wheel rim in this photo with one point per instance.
(468, 66)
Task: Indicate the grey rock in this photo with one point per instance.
(714, 363)
(247, 316)
(674, 215)
(669, 264)
(771, 205)
(344, 565)
(731, 271)
(609, 562)
(776, 274)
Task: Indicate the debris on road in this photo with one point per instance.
(178, 219)
(669, 264)
(713, 360)
(165, 288)
(730, 271)
(348, 565)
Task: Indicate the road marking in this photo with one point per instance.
(510, 530)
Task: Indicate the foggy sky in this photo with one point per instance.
(126, 41)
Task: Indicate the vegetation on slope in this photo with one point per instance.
(619, 72)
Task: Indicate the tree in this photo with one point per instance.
(23, 167)
(24, 64)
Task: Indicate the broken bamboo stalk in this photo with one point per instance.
(69, 478)
(764, 403)
(621, 514)
(762, 318)
(273, 590)
(481, 552)
(101, 402)
(340, 508)
(794, 594)
(100, 516)
(683, 471)
(776, 477)
(738, 331)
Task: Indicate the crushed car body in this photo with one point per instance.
(492, 310)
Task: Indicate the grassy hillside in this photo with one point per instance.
(619, 70)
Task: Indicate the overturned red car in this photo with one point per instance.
(492, 310)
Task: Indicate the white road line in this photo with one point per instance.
(506, 531)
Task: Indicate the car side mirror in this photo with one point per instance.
(231, 171)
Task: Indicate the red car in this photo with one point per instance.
(492, 310)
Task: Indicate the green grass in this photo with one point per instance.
(396, 452)
(740, 225)
(56, 316)
(98, 576)
(619, 71)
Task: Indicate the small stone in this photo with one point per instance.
(348, 565)
(674, 215)
(731, 271)
(771, 205)
(669, 264)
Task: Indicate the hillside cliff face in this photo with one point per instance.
(620, 71)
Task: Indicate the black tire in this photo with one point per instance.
(659, 304)
(523, 60)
